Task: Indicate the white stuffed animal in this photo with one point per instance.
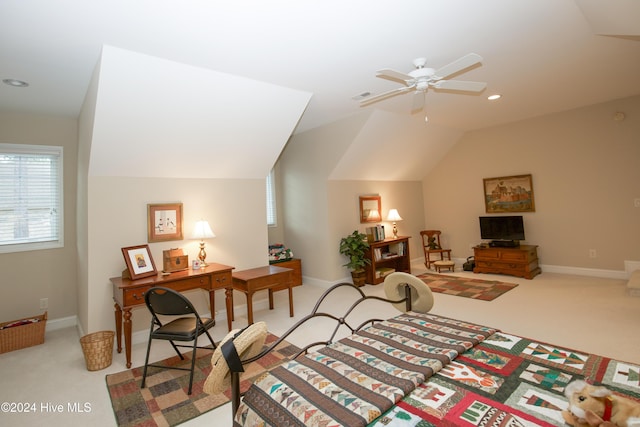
(597, 406)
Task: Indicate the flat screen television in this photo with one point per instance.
(502, 228)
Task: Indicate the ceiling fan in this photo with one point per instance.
(422, 78)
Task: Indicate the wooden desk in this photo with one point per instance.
(257, 279)
(129, 293)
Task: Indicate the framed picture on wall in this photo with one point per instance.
(139, 261)
(509, 194)
(164, 222)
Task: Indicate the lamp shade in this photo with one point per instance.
(373, 215)
(202, 230)
(394, 215)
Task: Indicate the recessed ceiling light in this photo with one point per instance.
(15, 82)
(494, 97)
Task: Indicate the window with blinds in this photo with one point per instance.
(30, 197)
(271, 200)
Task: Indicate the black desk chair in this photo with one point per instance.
(167, 302)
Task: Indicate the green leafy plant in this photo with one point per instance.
(354, 246)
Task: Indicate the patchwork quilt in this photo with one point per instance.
(419, 370)
(508, 381)
(355, 380)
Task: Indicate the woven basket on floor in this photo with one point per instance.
(25, 335)
(98, 349)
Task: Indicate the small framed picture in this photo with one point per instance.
(139, 261)
(164, 222)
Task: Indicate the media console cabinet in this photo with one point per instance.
(521, 261)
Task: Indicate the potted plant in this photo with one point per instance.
(354, 246)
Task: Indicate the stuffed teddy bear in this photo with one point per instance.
(431, 244)
(591, 406)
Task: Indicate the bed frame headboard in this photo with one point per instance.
(341, 321)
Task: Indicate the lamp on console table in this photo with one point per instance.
(394, 216)
(202, 231)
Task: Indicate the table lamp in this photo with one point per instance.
(202, 231)
(394, 216)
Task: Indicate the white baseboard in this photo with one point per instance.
(64, 322)
(578, 271)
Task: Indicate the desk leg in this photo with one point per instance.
(270, 299)
(290, 300)
(212, 303)
(127, 335)
(250, 307)
(229, 302)
(118, 314)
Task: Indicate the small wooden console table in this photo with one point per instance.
(129, 293)
(272, 278)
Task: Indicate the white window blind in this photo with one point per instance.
(30, 197)
(271, 199)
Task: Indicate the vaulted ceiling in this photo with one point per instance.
(543, 56)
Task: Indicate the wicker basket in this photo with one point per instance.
(27, 335)
(98, 349)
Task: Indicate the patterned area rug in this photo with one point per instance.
(165, 402)
(486, 290)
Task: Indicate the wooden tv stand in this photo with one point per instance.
(521, 261)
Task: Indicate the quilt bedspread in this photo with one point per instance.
(508, 381)
(355, 380)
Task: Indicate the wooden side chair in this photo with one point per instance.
(431, 246)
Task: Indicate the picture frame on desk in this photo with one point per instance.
(139, 261)
(164, 222)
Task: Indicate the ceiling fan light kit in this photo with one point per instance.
(420, 79)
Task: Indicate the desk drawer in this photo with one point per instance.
(221, 280)
(135, 296)
(203, 282)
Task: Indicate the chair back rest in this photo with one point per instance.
(168, 302)
(430, 234)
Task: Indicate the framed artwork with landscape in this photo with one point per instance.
(509, 194)
(164, 222)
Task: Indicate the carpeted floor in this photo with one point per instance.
(165, 402)
(485, 290)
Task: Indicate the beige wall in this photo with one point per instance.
(318, 212)
(344, 217)
(117, 212)
(29, 276)
(586, 175)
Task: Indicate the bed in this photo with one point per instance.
(419, 369)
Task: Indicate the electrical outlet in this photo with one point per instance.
(44, 303)
(636, 203)
(592, 253)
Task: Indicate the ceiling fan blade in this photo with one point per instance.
(460, 85)
(385, 95)
(418, 102)
(458, 65)
(394, 75)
